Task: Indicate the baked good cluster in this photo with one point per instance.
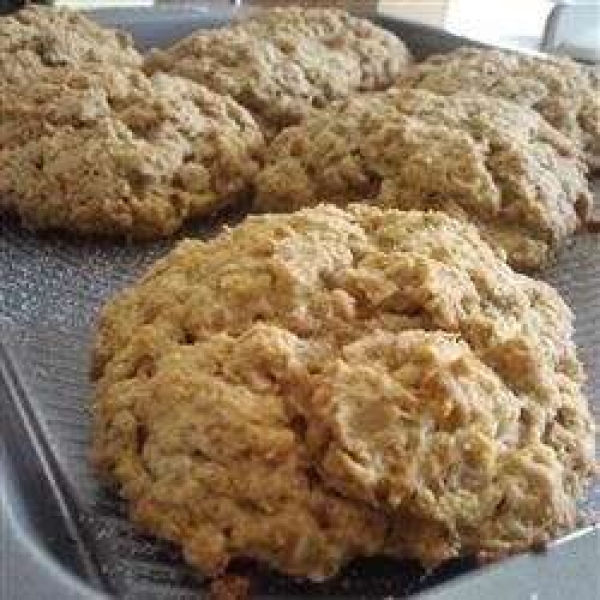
(362, 367)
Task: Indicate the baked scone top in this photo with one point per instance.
(37, 39)
(117, 153)
(565, 93)
(282, 62)
(309, 388)
(484, 159)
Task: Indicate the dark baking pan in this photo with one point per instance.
(63, 536)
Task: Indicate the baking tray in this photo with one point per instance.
(64, 536)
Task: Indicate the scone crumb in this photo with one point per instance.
(230, 587)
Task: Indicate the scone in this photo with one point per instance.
(285, 61)
(309, 388)
(120, 154)
(565, 93)
(37, 39)
(483, 159)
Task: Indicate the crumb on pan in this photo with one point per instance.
(230, 587)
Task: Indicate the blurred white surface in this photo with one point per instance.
(81, 4)
(562, 27)
(503, 22)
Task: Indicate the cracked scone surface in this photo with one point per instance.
(565, 93)
(487, 160)
(38, 40)
(309, 388)
(283, 62)
(121, 154)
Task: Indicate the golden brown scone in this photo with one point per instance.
(309, 388)
(285, 61)
(120, 154)
(37, 40)
(487, 160)
(565, 93)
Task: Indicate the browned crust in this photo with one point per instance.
(309, 388)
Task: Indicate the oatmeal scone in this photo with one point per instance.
(37, 40)
(487, 160)
(309, 388)
(285, 61)
(565, 93)
(120, 154)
